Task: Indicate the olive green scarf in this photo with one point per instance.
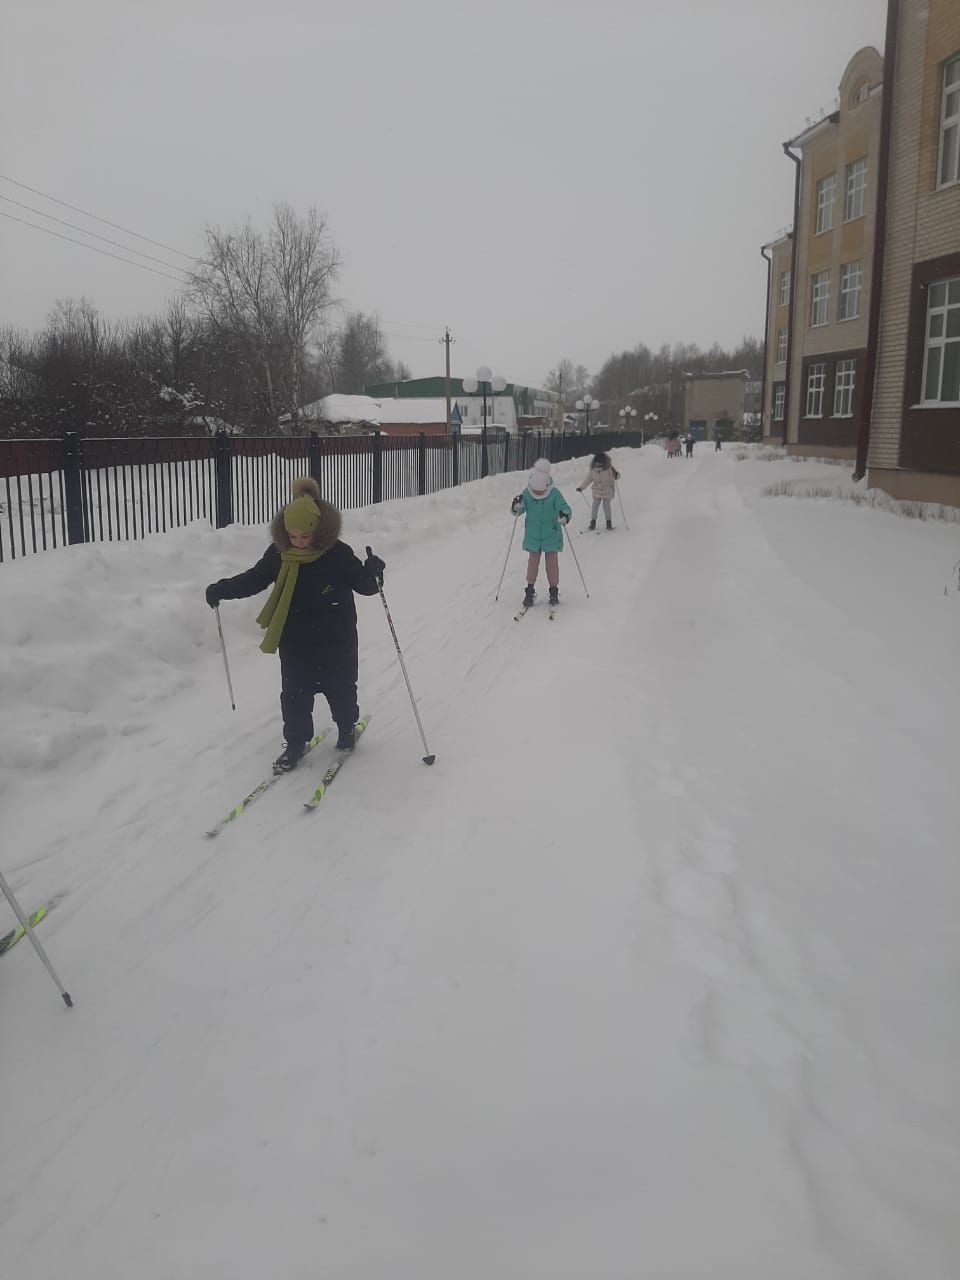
(273, 615)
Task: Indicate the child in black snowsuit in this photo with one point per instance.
(310, 616)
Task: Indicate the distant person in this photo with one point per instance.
(716, 444)
(603, 477)
(689, 444)
(547, 511)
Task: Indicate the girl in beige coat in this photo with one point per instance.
(603, 477)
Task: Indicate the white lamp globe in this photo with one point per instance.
(484, 374)
(580, 404)
(498, 383)
(470, 385)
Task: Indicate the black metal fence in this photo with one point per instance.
(70, 490)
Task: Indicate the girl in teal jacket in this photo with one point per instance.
(546, 511)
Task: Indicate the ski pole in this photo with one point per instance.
(28, 930)
(509, 548)
(576, 561)
(226, 664)
(428, 758)
(586, 503)
(622, 512)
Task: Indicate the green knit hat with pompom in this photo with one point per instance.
(302, 515)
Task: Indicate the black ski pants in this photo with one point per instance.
(332, 673)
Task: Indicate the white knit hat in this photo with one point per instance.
(540, 477)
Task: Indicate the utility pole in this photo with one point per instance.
(446, 340)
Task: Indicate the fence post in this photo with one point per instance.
(72, 462)
(506, 453)
(484, 460)
(455, 456)
(421, 465)
(377, 467)
(224, 479)
(313, 456)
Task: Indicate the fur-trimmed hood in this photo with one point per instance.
(328, 526)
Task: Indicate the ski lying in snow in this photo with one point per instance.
(13, 937)
(335, 768)
(258, 791)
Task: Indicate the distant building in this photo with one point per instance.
(505, 409)
(872, 368)
(393, 417)
(709, 398)
(832, 254)
(911, 444)
(779, 256)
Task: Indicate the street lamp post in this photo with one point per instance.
(626, 415)
(585, 405)
(491, 383)
(650, 421)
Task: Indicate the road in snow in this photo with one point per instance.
(653, 974)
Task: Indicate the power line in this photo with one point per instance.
(83, 230)
(106, 221)
(93, 248)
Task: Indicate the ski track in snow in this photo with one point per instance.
(650, 974)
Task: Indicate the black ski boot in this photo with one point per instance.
(528, 596)
(289, 758)
(609, 524)
(554, 596)
(346, 738)
(592, 524)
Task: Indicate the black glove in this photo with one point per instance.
(374, 565)
(212, 595)
(564, 518)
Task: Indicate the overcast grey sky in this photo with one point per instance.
(548, 178)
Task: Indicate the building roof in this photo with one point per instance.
(341, 408)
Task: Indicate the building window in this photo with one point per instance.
(941, 356)
(820, 298)
(784, 288)
(856, 189)
(843, 388)
(779, 401)
(862, 94)
(826, 195)
(781, 346)
(949, 167)
(816, 381)
(851, 279)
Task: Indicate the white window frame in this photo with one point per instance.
(816, 385)
(851, 283)
(784, 288)
(779, 401)
(781, 346)
(826, 200)
(845, 382)
(819, 299)
(940, 317)
(948, 150)
(856, 201)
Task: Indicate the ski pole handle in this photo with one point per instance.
(380, 574)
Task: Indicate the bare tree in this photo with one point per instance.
(362, 355)
(270, 294)
(305, 265)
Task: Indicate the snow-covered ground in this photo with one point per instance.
(653, 974)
